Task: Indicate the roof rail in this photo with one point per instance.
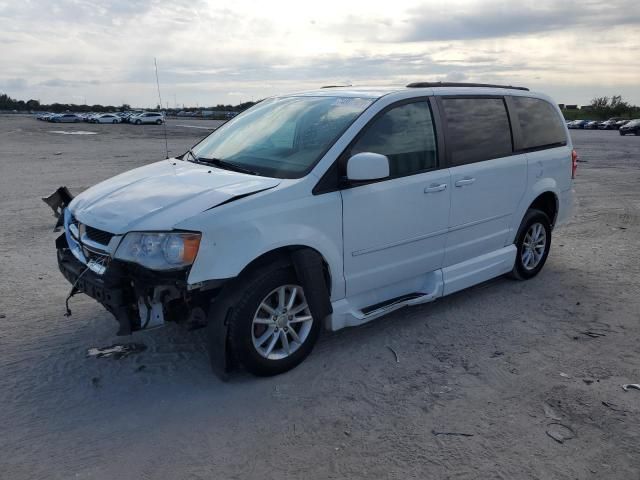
(336, 86)
(456, 84)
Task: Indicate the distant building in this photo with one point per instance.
(561, 106)
(571, 107)
(585, 107)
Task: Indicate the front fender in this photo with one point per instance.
(236, 234)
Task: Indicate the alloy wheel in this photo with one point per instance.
(533, 246)
(282, 323)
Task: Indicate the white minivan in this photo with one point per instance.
(325, 209)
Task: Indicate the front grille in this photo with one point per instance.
(98, 236)
(88, 244)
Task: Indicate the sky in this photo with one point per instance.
(211, 52)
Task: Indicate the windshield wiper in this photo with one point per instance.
(225, 165)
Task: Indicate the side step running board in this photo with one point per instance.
(383, 308)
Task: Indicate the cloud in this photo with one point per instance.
(496, 19)
(207, 49)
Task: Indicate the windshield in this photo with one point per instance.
(282, 137)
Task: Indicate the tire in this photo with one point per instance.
(114, 121)
(621, 133)
(263, 287)
(528, 265)
(158, 122)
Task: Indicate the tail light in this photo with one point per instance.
(574, 163)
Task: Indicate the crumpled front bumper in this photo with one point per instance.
(123, 286)
(107, 289)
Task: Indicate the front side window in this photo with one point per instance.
(282, 137)
(405, 135)
(477, 129)
(539, 122)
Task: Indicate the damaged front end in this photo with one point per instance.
(138, 297)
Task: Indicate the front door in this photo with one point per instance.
(396, 229)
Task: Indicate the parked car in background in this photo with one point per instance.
(632, 127)
(608, 125)
(147, 117)
(44, 116)
(105, 118)
(592, 124)
(326, 209)
(620, 123)
(577, 124)
(65, 118)
(126, 118)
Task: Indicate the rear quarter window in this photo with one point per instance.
(540, 124)
(477, 129)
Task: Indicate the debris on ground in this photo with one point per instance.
(613, 407)
(627, 386)
(559, 432)
(593, 334)
(549, 412)
(588, 381)
(497, 353)
(394, 353)
(565, 375)
(3, 315)
(117, 351)
(452, 434)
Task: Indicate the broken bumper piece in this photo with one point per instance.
(137, 297)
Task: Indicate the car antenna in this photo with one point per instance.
(164, 122)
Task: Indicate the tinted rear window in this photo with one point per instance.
(539, 122)
(477, 129)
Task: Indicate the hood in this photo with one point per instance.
(157, 196)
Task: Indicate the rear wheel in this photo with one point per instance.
(533, 243)
(271, 329)
(158, 122)
(138, 122)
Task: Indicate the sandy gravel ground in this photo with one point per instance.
(506, 363)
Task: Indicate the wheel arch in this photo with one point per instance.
(286, 255)
(548, 203)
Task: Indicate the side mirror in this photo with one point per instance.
(367, 166)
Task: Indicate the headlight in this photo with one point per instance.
(159, 251)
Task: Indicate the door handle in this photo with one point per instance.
(434, 187)
(465, 181)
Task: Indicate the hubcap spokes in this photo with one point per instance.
(533, 246)
(281, 323)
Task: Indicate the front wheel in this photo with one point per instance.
(533, 243)
(138, 122)
(158, 122)
(272, 330)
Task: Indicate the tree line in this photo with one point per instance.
(615, 106)
(8, 103)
